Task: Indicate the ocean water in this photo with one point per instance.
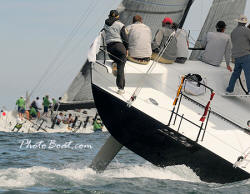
(58, 163)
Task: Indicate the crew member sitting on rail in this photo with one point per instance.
(139, 38)
(217, 44)
(161, 37)
(182, 44)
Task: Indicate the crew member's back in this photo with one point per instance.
(217, 45)
(140, 38)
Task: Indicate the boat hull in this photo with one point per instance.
(158, 143)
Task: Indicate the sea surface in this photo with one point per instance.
(58, 163)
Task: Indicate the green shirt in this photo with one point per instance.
(33, 111)
(20, 103)
(97, 126)
(46, 102)
(54, 101)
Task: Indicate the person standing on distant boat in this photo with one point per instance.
(217, 45)
(160, 39)
(39, 105)
(20, 107)
(140, 38)
(241, 53)
(117, 46)
(46, 104)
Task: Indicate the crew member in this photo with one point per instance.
(140, 38)
(159, 43)
(117, 46)
(182, 44)
(217, 45)
(241, 53)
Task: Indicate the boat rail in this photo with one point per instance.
(205, 118)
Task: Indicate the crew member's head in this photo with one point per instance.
(137, 18)
(220, 26)
(242, 20)
(114, 14)
(167, 21)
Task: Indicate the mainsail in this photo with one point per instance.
(79, 93)
(226, 10)
(153, 12)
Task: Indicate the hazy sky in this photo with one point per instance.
(37, 34)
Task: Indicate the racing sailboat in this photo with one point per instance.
(158, 119)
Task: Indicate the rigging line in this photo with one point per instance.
(241, 84)
(77, 45)
(220, 140)
(79, 42)
(66, 42)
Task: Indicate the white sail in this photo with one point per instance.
(226, 10)
(80, 89)
(153, 12)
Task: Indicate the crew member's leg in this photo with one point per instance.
(117, 53)
(246, 69)
(235, 75)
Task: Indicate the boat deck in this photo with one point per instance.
(226, 129)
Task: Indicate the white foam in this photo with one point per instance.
(26, 177)
(180, 172)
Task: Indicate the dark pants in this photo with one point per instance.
(117, 52)
(240, 63)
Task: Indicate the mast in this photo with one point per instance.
(190, 2)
